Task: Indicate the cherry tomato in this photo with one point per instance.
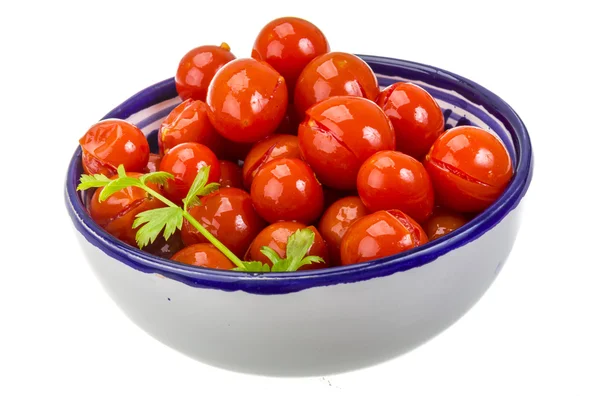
(339, 134)
(188, 122)
(334, 74)
(203, 255)
(231, 174)
(275, 146)
(393, 180)
(183, 162)
(117, 213)
(153, 163)
(247, 100)
(289, 44)
(337, 219)
(229, 215)
(469, 168)
(381, 234)
(165, 248)
(197, 68)
(112, 142)
(442, 222)
(285, 189)
(276, 236)
(416, 116)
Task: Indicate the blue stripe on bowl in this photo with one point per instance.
(465, 99)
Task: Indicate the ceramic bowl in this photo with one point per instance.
(326, 321)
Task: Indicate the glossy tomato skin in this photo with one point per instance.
(381, 234)
(393, 180)
(188, 122)
(288, 44)
(469, 168)
(442, 222)
(336, 220)
(197, 68)
(203, 255)
(276, 236)
(274, 146)
(112, 142)
(183, 162)
(247, 100)
(339, 134)
(165, 248)
(229, 215)
(334, 74)
(117, 213)
(417, 118)
(285, 189)
(231, 175)
(153, 164)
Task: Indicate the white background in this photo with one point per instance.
(63, 66)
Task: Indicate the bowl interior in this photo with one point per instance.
(463, 103)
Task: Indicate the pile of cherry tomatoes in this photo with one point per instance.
(299, 136)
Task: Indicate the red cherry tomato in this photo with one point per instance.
(203, 255)
(381, 234)
(183, 162)
(231, 175)
(247, 100)
(393, 180)
(197, 68)
(188, 122)
(117, 213)
(275, 146)
(442, 222)
(336, 220)
(112, 142)
(153, 163)
(339, 134)
(165, 248)
(469, 168)
(334, 74)
(276, 236)
(416, 116)
(228, 214)
(285, 189)
(289, 44)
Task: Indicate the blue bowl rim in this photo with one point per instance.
(281, 283)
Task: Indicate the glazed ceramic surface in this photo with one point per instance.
(324, 321)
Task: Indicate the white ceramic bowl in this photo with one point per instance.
(325, 321)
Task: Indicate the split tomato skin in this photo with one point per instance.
(276, 236)
(417, 118)
(117, 213)
(337, 219)
(393, 180)
(183, 162)
(198, 67)
(339, 134)
(247, 100)
(381, 234)
(188, 122)
(275, 146)
(469, 168)
(228, 215)
(288, 44)
(334, 74)
(203, 255)
(285, 189)
(442, 222)
(112, 142)
(231, 175)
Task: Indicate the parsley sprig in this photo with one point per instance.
(169, 219)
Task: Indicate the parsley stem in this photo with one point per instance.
(234, 259)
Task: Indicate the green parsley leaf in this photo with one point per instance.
(118, 184)
(253, 266)
(154, 221)
(121, 171)
(297, 246)
(311, 259)
(158, 177)
(92, 181)
(270, 254)
(199, 188)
